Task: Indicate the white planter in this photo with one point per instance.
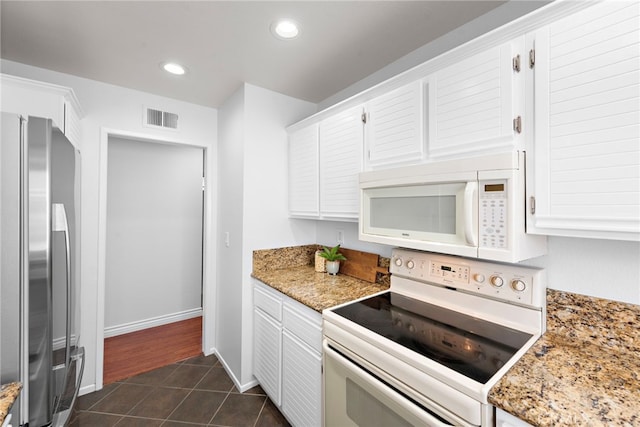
(332, 267)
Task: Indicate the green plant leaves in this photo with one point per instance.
(332, 254)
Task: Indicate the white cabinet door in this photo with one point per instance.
(473, 103)
(341, 139)
(304, 172)
(394, 128)
(586, 155)
(301, 382)
(267, 356)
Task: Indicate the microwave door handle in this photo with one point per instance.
(470, 230)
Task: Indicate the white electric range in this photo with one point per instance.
(428, 351)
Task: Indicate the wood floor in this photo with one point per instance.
(142, 351)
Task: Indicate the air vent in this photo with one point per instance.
(157, 118)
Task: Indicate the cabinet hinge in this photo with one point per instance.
(203, 183)
(533, 205)
(364, 117)
(517, 124)
(532, 58)
(516, 63)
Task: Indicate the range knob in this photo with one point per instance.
(518, 285)
(496, 281)
(398, 262)
(478, 277)
(410, 264)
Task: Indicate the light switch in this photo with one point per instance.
(226, 239)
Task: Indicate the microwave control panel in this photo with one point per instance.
(492, 214)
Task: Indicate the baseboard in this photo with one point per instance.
(87, 389)
(241, 387)
(113, 331)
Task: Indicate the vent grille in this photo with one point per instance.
(158, 118)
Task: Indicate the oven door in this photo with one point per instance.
(355, 396)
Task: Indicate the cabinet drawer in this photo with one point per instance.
(268, 302)
(306, 326)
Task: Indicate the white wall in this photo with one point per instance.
(252, 208)
(607, 269)
(154, 234)
(113, 107)
(230, 198)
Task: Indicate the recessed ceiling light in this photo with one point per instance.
(285, 29)
(173, 68)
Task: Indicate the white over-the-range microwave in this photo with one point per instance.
(472, 207)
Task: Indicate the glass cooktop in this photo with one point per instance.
(470, 346)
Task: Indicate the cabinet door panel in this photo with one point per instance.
(267, 354)
(301, 382)
(587, 124)
(472, 104)
(307, 329)
(394, 131)
(303, 172)
(341, 138)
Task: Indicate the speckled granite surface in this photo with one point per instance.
(291, 271)
(8, 394)
(585, 370)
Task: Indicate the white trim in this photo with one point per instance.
(139, 325)
(595, 228)
(87, 389)
(63, 91)
(209, 235)
(241, 387)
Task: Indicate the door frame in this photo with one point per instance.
(208, 246)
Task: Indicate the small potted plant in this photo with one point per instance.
(333, 258)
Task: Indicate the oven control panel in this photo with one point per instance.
(508, 282)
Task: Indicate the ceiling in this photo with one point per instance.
(225, 43)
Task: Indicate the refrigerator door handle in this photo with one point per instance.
(59, 223)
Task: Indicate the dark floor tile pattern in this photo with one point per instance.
(191, 393)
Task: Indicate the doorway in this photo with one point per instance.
(154, 255)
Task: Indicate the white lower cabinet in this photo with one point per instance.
(301, 382)
(287, 359)
(267, 348)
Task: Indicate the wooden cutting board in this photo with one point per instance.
(361, 265)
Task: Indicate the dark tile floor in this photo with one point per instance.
(194, 392)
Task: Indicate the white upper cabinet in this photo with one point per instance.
(341, 139)
(39, 99)
(584, 158)
(304, 172)
(394, 129)
(473, 103)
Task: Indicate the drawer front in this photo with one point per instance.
(268, 302)
(304, 325)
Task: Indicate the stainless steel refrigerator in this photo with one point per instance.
(39, 269)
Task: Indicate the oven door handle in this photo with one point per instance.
(420, 413)
(470, 229)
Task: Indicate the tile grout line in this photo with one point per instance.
(188, 394)
(219, 407)
(260, 412)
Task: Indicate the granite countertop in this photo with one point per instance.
(585, 370)
(8, 394)
(317, 290)
(290, 271)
